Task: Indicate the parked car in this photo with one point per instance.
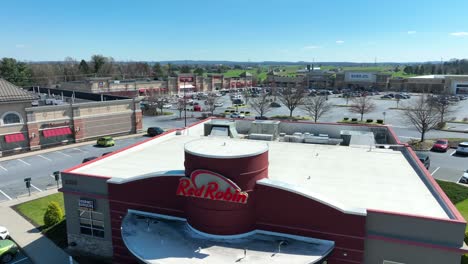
(218, 104)
(424, 158)
(154, 131)
(237, 115)
(441, 145)
(88, 159)
(105, 141)
(386, 96)
(167, 106)
(463, 97)
(464, 177)
(462, 148)
(8, 250)
(4, 234)
(275, 104)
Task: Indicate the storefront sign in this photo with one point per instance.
(86, 204)
(51, 125)
(209, 185)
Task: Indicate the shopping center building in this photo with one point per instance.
(227, 191)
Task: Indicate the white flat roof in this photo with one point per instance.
(437, 76)
(354, 177)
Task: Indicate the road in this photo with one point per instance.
(40, 167)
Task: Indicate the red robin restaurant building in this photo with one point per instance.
(224, 191)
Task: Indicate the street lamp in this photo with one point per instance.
(185, 106)
(384, 116)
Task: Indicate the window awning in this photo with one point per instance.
(54, 132)
(17, 137)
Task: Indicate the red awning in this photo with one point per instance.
(14, 138)
(54, 132)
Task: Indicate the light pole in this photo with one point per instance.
(185, 106)
(384, 116)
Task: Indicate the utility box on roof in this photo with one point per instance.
(267, 127)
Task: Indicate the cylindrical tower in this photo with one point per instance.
(222, 174)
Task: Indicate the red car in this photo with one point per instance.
(441, 145)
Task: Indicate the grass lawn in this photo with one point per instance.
(463, 208)
(34, 211)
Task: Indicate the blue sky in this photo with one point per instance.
(255, 30)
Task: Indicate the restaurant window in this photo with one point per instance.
(11, 118)
(91, 223)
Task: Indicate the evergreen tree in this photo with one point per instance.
(15, 72)
(83, 67)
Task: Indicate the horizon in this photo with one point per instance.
(249, 32)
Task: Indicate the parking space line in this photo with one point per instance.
(6, 195)
(36, 188)
(44, 157)
(3, 168)
(432, 173)
(81, 150)
(451, 154)
(24, 162)
(63, 153)
(19, 260)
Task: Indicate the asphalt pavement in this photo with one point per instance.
(40, 167)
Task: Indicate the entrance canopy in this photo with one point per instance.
(157, 239)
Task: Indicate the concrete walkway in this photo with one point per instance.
(73, 145)
(37, 247)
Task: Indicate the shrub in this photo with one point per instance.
(441, 125)
(53, 214)
(346, 118)
(369, 120)
(465, 119)
(379, 121)
(353, 119)
(466, 237)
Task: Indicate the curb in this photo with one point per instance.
(52, 149)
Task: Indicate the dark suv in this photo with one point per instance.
(154, 131)
(424, 159)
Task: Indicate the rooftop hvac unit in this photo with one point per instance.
(265, 137)
(267, 127)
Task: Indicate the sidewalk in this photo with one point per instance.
(36, 246)
(73, 145)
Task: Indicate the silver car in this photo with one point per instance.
(462, 148)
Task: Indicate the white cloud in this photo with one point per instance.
(20, 46)
(411, 32)
(459, 34)
(312, 47)
(339, 41)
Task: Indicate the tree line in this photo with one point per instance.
(454, 66)
(70, 69)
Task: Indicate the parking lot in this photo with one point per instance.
(40, 167)
(20, 258)
(447, 166)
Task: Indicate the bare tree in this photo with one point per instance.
(261, 104)
(181, 105)
(443, 106)
(155, 102)
(246, 94)
(423, 115)
(292, 97)
(362, 105)
(316, 106)
(211, 102)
